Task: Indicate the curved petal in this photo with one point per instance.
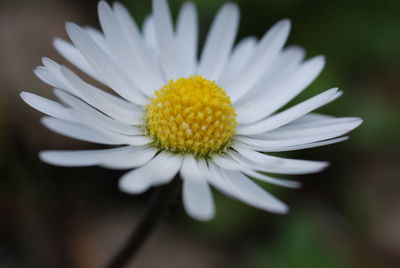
(219, 42)
(78, 131)
(165, 39)
(104, 65)
(187, 38)
(252, 194)
(46, 106)
(105, 102)
(286, 148)
(280, 182)
(288, 115)
(73, 55)
(263, 55)
(93, 116)
(160, 170)
(240, 55)
(272, 164)
(262, 102)
(197, 197)
(116, 158)
(91, 133)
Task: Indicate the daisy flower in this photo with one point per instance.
(212, 119)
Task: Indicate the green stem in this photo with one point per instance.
(162, 198)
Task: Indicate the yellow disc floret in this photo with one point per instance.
(191, 115)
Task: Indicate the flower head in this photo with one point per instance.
(212, 120)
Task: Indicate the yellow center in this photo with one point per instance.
(191, 115)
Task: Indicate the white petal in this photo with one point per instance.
(95, 117)
(295, 134)
(46, 106)
(187, 38)
(197, 197)
(165, 39)
(46, 76)
(261, 59)
(149, 34)
(240, 55)
(99, 38)
(160, 170)
(104, 65)
(226, 162)
(62, 78)
(219, 42)
(288, 115)
(55, 70)
(116, 158)
(70, 158)
(264, 102)
(280, 182)
(130, 157)
(215, 178)
(105, 102)
(326, 126)
(72, 54)
(285, 65)
(128, 47)
(252, 194)
(292, 144)
(299, 147)
(311, 117)
(79, 131)
(272, 164)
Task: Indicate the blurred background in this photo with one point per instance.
(347, 216)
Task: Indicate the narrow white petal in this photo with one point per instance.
(268, 98)
(298, 147)
(197, 197)
(116, 158)
(69, 158)
(311, 117)
(95, 117)
(160, 170)
(131, 157)
(219, 42)
(149, 34)
(240, 55)
(217, 180)
(55, 70)
(280, 182)
(79, 131)
(127, 46)
(261, 59)
(99, 38)
(288, 115)
(262, 162)
(46, 106)
(105, 102)
(252, 194)
(226, 162)
(73, 55)
(46, 76)
(165, 39)
(279, 145)
(326, 126)
(296, 134)
(104, 65)
(187, 38)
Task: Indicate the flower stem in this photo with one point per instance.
(161, 200)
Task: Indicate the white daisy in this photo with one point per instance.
(210, 119)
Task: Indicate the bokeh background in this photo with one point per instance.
(347, 216)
